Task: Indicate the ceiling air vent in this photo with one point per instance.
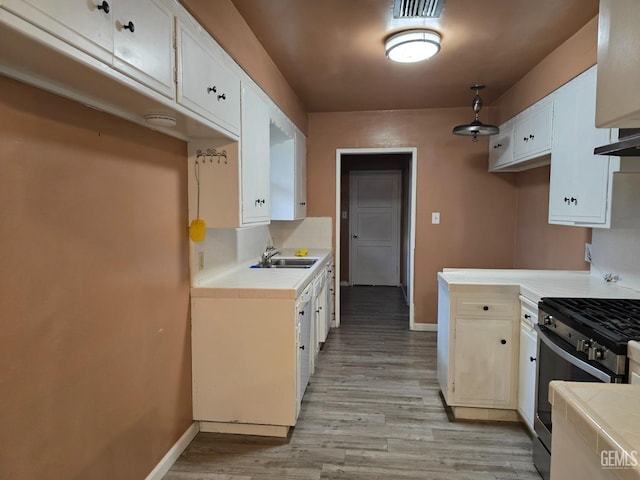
(417, 8)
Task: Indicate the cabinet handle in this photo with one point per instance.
(526, 139)
(503, 341)
(130, 26)
(532, 136)
(301, 347)
(527, 316)
(212, 89)
(485, 308)
(301, 313)
(104, 6)
(532, 359)
(355, 235)
(318, 311)
(566, 200)
(222, 97)
(574, 200)
(303, 203)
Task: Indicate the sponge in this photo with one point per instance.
(302, 252)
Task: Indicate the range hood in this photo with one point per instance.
(628, 144)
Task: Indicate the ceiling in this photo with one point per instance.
(332, 51)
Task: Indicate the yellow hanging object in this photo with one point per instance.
(197, 230)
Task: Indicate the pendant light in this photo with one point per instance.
(476, 128)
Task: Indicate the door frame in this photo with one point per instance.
(413, 168)
(398, 208)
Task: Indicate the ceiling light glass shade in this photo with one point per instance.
(412, 45)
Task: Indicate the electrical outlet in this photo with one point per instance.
(435, 217)
(200, 260)
(587, 252)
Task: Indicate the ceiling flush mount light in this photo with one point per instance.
(160, 120)
(412, 45)
(476, 128)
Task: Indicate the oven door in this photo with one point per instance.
(556, 360)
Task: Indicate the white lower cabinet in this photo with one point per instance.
(527, 362)
(478, 346)
(250, 361)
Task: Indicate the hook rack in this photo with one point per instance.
(210, 153)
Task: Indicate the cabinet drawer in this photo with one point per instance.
(528, 315)
(485, 306)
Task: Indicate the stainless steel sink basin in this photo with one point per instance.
(289, 263)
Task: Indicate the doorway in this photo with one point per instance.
(372, 161)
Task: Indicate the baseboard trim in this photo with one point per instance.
(425, 327)
(174, 452)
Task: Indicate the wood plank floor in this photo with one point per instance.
(371, 412)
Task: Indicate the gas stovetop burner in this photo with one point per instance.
(616, 320)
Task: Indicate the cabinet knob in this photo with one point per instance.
(303, 203)
(301, 313)
(532, 137)
(503, 341)
(355, 235)
(222, 97)
(301, 347)
(527, 316)
(526, 139)
(485, 308)
(532, 359)
(566, 200)
(212, 89)
(130, 26)
(104, 6)
(574, 200)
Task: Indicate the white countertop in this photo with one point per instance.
(244, 281)
(535, 284)
(607, 416)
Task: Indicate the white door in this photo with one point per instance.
(375, 227)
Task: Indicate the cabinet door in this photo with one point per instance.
(255, 158)
(205, 85)
(579, 180)
(304, 351)
(541, 127)
(300, 176)
(521, 132)
(483, 352)
(283, 170)
(81, 24)
(143, 44)
(501, 147)
(527, 374)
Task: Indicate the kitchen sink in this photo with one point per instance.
(289, 263)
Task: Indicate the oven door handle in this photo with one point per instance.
(572, 359)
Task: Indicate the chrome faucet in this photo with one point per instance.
(265, 258)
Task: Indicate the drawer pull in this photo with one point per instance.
(527, 316)
(532, 359)
(130, 26)
(503, 341)
(485, 308)
(104, 6)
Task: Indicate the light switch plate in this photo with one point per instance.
(435, 217)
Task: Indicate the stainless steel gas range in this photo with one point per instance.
(582, 340)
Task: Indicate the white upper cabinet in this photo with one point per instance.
(501, 147)
(256, 202)
(579, 184)
(618, 102)
(143, 43)
(135, 38)
(205, 85)
(86, 25)
(532, 134)
(288, 170)
(524, 141)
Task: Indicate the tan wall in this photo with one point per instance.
(478, 209)
(568, 60)
(95, 358)
(538, 244)
(224, 23)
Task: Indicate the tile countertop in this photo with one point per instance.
(535, 284)
(245, 282)
(607, 415)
